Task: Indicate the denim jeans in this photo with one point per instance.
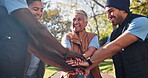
(82, 76)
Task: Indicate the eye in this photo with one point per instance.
(74, 19)
(110, 11)
(41, 10)
(35, 9)
(79, 19)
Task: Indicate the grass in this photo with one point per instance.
(49, 71)
(105, 66)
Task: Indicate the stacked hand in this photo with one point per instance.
(77, 62)
(80, 66)
(72, 54)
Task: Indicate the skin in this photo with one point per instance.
(113, 47)
(78, 24)
(36, 8)
(43, 44)
(116, 16)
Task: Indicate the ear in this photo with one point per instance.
(86, 22)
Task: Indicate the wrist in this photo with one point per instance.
(66, 52)
(89, 61)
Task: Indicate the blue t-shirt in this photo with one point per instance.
(138, 27)
(12, 5)
(93, 43)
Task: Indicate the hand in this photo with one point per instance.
(72, 54)
(77, 62)
(80, 71)
(87, 72)
(77, 71)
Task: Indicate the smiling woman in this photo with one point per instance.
(36, 7)
(36, 67)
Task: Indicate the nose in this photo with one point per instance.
(39, 12)
(76, 22)
(108, 15)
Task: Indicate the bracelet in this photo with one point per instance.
(89, 62)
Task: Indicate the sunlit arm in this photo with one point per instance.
(113, 47)
(89, 52)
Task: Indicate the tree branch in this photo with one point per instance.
(98, 4)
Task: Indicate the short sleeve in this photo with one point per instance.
(139, 27)
(108, 40)
(65, 42)
(94, 42)
(12, 5)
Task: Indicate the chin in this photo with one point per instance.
(114, 24)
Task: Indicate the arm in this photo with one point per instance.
(93, 45)
(136, 30)
(109, 50)
(40, 34)
(113, 47)
(89, 52)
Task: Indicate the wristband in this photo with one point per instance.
(89, 62)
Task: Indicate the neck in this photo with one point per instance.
(123, 18)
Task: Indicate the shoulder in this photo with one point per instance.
(92, 34)
(68, 35)
(139, 22)
(140, 19)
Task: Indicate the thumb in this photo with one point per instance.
(85, 76)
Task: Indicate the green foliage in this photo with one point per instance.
(51, 15)
(53, 20)
(139, 7)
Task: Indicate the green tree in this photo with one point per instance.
(139, 7)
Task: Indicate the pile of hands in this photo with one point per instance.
(79, 63)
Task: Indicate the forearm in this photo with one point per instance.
(89, 52)
(41, 35)
(104, 53)
(113, 47)
(92, 66)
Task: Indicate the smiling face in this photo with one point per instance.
(79, 22)
(116, 16)
(36, 7)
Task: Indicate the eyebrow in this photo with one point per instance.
(109, 9)
(37, 7)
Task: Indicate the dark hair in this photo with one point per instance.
(30, 1)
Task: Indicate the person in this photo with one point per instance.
(81, 41)
(20, 31)
(36, 67)
(127, 44)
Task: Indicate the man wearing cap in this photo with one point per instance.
(128, 44)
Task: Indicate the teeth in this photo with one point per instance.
(77, 26)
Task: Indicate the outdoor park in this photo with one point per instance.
(106, 68)
(33, 38)
(58, 20)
